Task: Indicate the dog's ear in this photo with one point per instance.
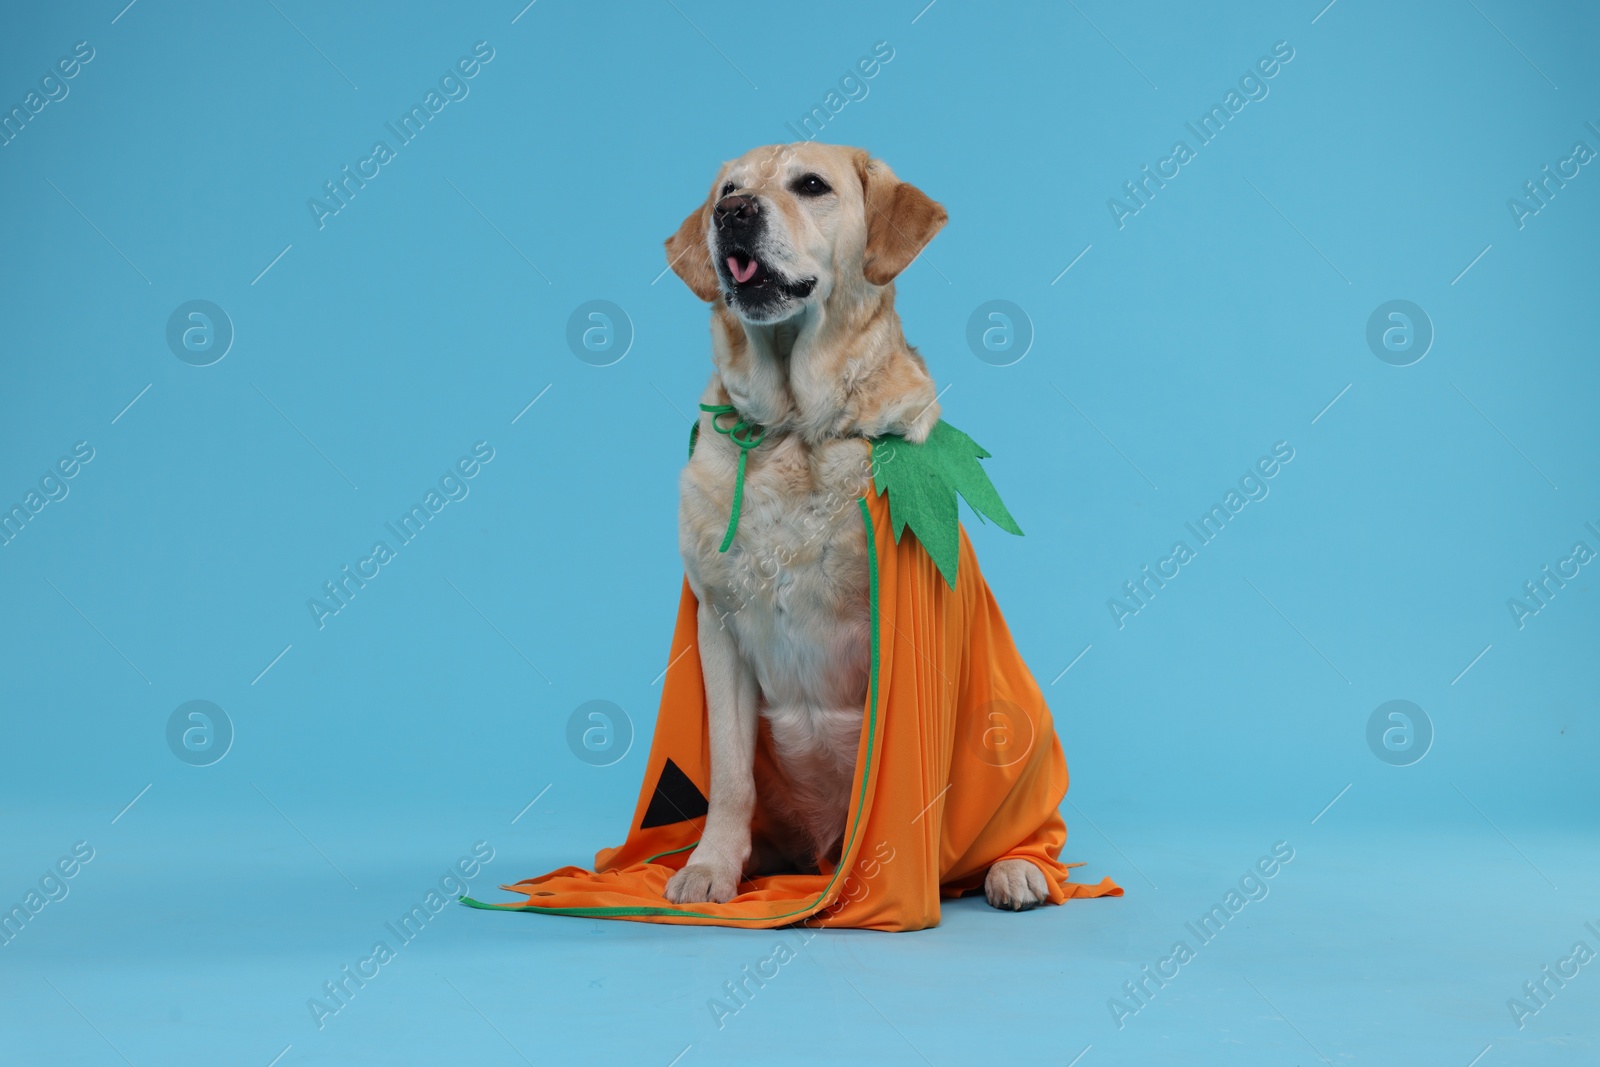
(690, 258)
(901, 220)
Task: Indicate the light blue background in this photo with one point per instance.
(425, 316)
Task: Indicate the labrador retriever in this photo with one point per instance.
(796, 249)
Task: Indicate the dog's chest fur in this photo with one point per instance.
(793, 589)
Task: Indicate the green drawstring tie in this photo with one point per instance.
(740, 434)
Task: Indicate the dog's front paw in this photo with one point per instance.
(701, 882)
(1015, 885)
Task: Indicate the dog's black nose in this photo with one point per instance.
(736, 211)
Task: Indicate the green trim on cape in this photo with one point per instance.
(923, 481)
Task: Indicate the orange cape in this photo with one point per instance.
(958, 767)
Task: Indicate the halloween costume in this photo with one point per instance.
(958, 765)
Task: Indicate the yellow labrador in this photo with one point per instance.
(796, 248)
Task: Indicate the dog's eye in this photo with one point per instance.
(727, 189)
(811, 185)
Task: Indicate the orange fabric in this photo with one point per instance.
(958, 767)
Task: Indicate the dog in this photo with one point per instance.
(796, 248)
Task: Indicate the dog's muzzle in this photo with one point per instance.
(740, 227)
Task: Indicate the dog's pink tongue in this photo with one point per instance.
(741, 275)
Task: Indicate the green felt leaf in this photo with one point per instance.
(923, 482)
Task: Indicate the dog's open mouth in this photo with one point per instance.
(752, 280)
(747, 271)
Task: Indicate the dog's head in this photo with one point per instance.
(787, 226)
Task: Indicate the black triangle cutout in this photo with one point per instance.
(676, 799)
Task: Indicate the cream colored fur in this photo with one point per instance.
(784, 627)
